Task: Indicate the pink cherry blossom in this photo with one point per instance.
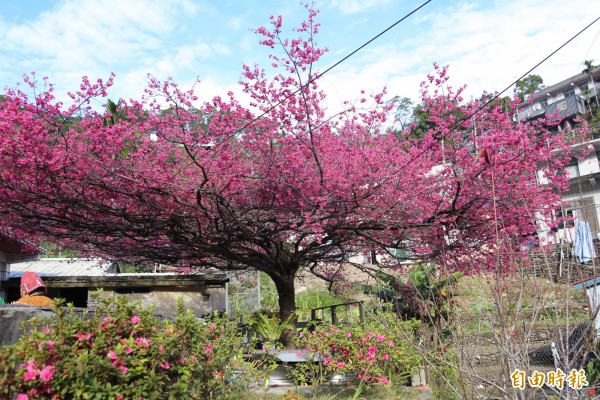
(228, 183)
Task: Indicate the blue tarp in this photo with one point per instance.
(584, 245)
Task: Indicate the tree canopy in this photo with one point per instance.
(528, 85)
(218, 186)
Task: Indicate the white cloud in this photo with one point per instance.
(133, 38)
(237, 23)
(188, 57)
(487, 48)
(487, 44)
(357, 6)
(81, 36)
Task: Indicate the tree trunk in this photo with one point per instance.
(287, 303)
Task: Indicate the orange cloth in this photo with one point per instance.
(40, 301)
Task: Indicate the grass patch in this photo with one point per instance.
(338, 393)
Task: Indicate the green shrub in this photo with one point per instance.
(121, 351)
(314, 298)
(270, 328)
(368, 354)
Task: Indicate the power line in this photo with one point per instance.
(591, 45)
(459, 124)
(330, 68)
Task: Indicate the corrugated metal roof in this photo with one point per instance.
(64, 267)
(587, 283)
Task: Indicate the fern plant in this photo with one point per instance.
(270, 328)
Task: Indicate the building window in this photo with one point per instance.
(566, 219)
(132, 290)
(573, 169)
(580, 209)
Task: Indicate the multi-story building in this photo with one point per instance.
(565, 102)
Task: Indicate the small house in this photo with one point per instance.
(76, 280)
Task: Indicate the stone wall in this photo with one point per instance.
(484, 349)
(563, 269)
(13, 316)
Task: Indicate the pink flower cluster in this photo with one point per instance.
(46, 374)
(49, 344)
(117, 362)
(105, 323)
(83, 336)
(142, 342)
(366, 354)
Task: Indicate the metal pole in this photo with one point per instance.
(258, 287)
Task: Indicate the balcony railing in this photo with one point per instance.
(563, 108)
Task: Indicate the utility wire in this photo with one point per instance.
(330, 68)
(459, 124)
(591, 45)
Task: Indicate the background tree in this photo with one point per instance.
(420, 122)
(293, 188)
(589, 68)
(528, 85)
(403, 111)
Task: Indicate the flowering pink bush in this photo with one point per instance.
(122, 351)
(365, 353)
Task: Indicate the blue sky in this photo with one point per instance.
(488, 44)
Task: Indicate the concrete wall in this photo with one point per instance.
(4, 271)
(201, 301)
(13, 316)
(5, 260)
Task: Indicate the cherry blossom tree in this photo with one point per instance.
(222, 185)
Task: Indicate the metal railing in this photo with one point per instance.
(335, 316)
